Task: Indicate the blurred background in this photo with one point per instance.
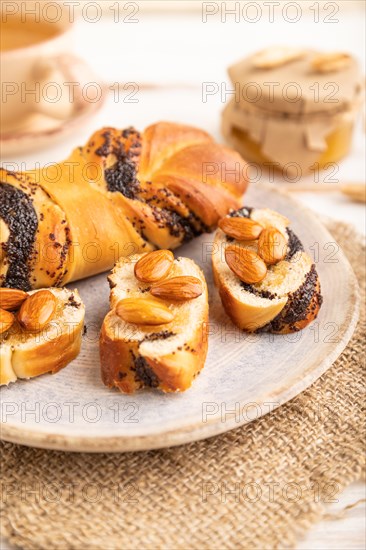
(153, 60)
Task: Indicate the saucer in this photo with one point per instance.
(41, 131)
(41, 128)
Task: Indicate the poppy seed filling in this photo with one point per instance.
(297, 307)
(17, 211)
(294, 244)
(121, 176)
(244, 212)
(144, 373)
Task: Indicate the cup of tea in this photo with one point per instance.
(37, 63)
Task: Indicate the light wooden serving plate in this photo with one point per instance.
(245, 376)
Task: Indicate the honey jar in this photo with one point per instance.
(293, 109)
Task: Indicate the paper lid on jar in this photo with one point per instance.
(297, 81)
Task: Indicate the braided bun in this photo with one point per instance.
(122, 193)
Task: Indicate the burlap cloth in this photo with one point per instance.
(259, 486)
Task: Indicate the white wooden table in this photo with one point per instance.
(177, 47)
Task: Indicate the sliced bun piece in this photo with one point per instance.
(166, 356)
(286, 300)
(26, 354)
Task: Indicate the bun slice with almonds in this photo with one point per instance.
(266, 281)
(155, 334)
(40, 331)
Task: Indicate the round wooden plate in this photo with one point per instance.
(245, 376)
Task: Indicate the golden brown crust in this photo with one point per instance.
(174, 371)
(210, 163)
(48, 356)
(246, 317)
(27, 355)
(168, 356)
(252, 318)
(177, 371)
(164, 139)
(97, 226)
(310, 315)
(123, 193)
(115, 353)
(269, 308)
(206, 202)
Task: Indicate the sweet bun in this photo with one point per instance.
(122, 193)
(136, 352)
(286, 295)
(47, 345)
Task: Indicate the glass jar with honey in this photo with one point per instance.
(293, 109)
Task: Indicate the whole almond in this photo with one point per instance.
(330, 62)
(6, 320)
(178, 288)
(272, 246)
(37, 310)
(11, 298)
(246, 264)
(154, 266)
(144, 311)
(241, 229)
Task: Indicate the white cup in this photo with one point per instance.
(36, 64)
